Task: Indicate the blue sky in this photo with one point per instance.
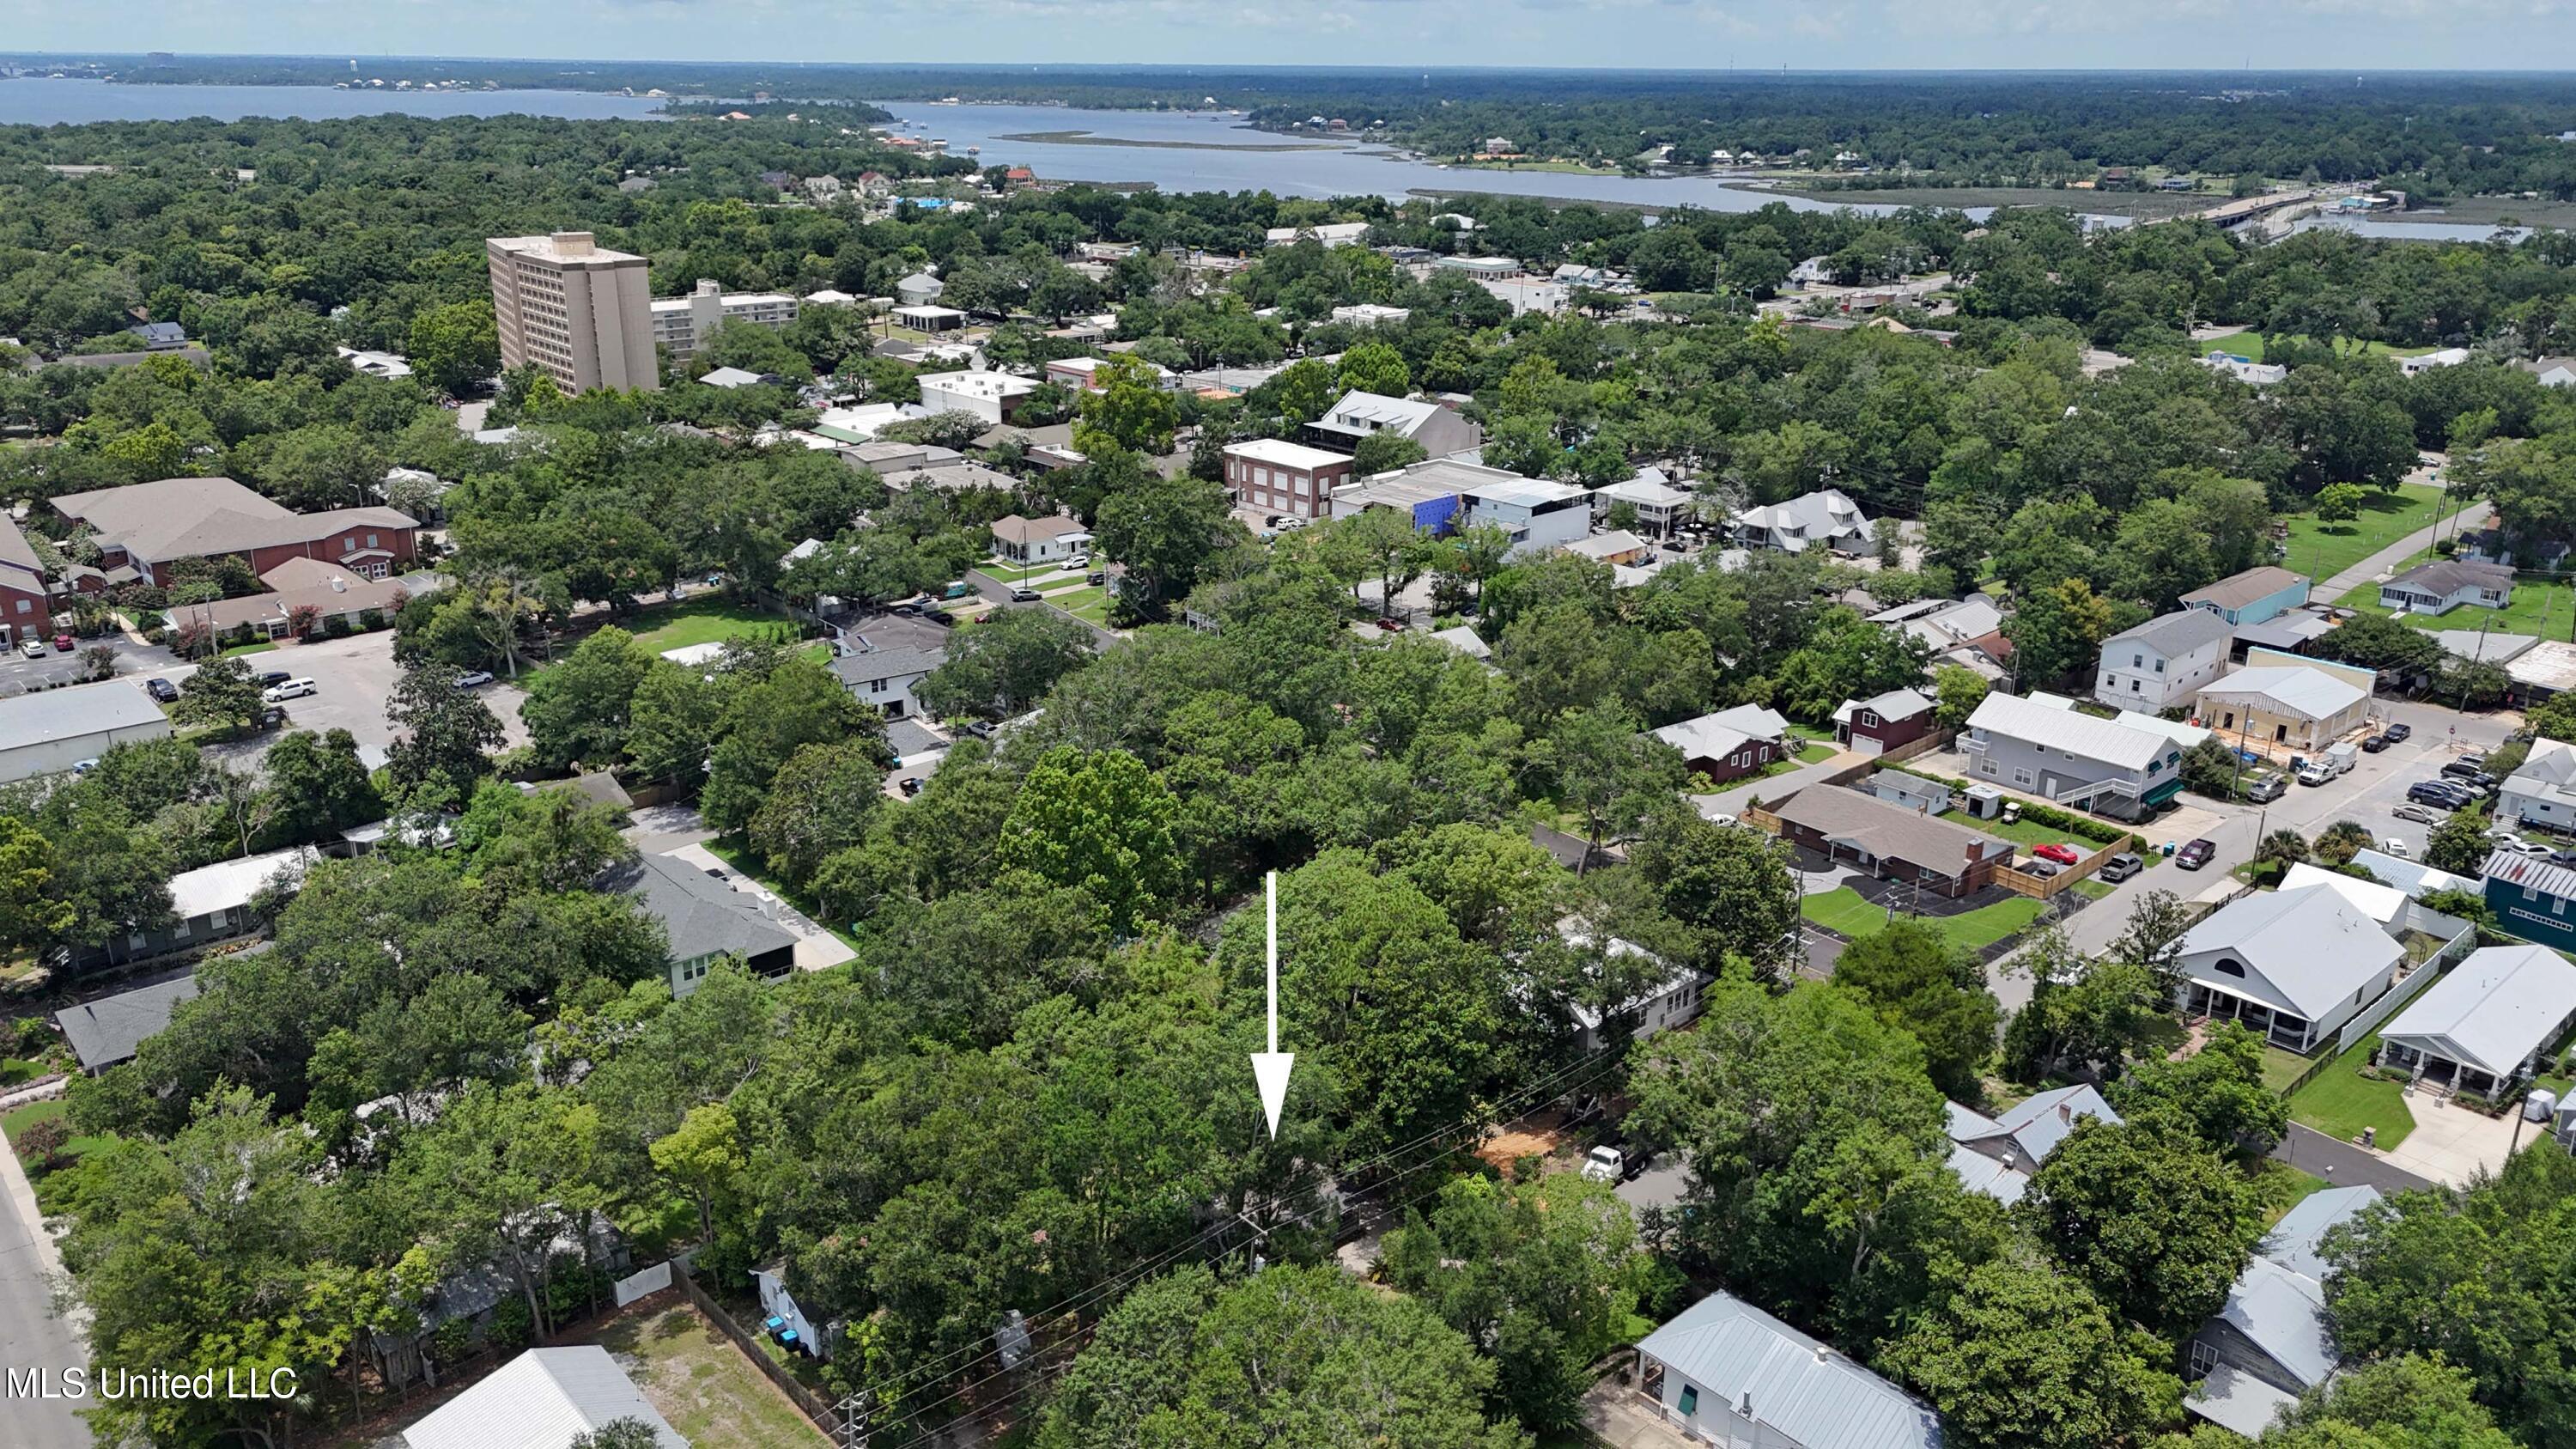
(1803, 34)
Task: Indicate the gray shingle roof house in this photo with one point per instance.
(2270, 1342)
(704, 918)
(108, 1030)
(1891, 841)
(543, 1399)
(2445, 584)
(1735, 1375)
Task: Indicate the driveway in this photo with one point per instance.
(1620, 1416)
(2342, 1164)
(816, 947)
(31, 1337)
(1733, 799)
(2452, 1144)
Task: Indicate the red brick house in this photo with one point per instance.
(1891, 721)
(1731, 743)
(1273, 476)
(24, 604)
(151, 526)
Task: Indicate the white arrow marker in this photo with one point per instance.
(1270, 1068)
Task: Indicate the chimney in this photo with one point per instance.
(2065, 1113)
(1823, 1353)
(574, 243)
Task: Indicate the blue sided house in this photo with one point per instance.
(2532, 898)
(2252, 597)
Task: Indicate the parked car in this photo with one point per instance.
(161, 689)
(65, 643)
(33, 648)
(2438, 792)
(2120, 867)
(2374, 744)
(2562, 857)
(2507, 840)
(83, 767)
(2060, 852)
(2475, 759)
(271, 678)
(956, 589)
(271, 718)
(2040, 868)
(291, 689)
(2465, 770)
(2396, 847)
(2416, 813)
(474, 679)
(2264, 789)
(1097, 579)
(2398, 733)
(2196, 853)
(909, 784)
(1024, 596)
(1391, 626)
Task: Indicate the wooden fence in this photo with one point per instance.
(2023, 883)
(807, 1402)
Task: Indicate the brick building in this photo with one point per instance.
(1272, 476)
(151, 526)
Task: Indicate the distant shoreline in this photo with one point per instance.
(1088, 138)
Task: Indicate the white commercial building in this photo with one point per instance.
(1538, 515)
(50, 731)
(573, 309)
(992, 396)
(683, 324)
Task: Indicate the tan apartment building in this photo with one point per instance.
(581, 313)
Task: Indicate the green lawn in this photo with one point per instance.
(705, 1387)
(1822, 733)
(21, 1118)
(2340, 1102)
(1807, 755)
(2538, 607)
(1842, 910)
(262, 647)
(2281, 1068)
(2249, 345)
(699, 623)
(2282, 1187)
(2091, 889)
(2025, 832)
(2323, 550)
(1083, 602)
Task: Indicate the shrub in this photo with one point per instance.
(2475, 1102)
(336, 626)
(370, 620)
(39, 1141)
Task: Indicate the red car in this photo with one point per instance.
(1392, 626)
(65, 643)
(2062, 854)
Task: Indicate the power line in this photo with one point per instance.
(1073, 1341)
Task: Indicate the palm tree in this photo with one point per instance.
(2339, 842)
(2282, 849)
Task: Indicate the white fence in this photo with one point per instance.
(650, 1280)
(2461, 940)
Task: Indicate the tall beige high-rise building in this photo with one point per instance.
(572, 307)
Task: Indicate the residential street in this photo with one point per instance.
(2471, 517)
(31, 1338)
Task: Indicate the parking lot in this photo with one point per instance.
(353, 677)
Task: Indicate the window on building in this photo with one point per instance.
(24, 607)
(1688, 1403)
(2022, 778)
(2225, 966)
(2204, 1359)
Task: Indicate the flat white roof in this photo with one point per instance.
(1280, 453)
(84, 709)
(2309, 693)
(229, 884)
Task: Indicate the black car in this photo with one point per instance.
(2562, 857)
(2445, 793)
(2398, 734)
(2374, 744)
(909, 784)
(272, 678)
(161, 689)
(2468, 771)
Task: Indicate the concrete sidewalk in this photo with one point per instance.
(31, 1337)
(2469, 518)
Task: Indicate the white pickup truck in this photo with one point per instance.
(2335, 761)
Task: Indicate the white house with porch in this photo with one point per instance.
(2292, 965)
(1727, 1373)
(2488, 1024)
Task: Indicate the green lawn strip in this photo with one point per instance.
(2322, 550)
(19, 1119)
(1065, 586)
(1813, 754)
(2025, 832)
(1842, 910)
(2249, 345)
(2281, 1067)
(749, 864)
(262, 647)
(2091, 889)
(1823, 733)
(2282, 1187)
(2340, 1101)
(698, 623)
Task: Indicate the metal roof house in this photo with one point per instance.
(1827, 516)
(1732, 1374)
(1996, 1155)
(2543, 791)
(1731, 743)
(2270, 1343)
(2252, 596)
(2070, 757)
(2295, 705)
(2293, 965)
(543, 1399)
(1890, 841)
(1356, 415)
(2483, 1027)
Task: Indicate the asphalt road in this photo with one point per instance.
(30, 1336)
(2343, 1165)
